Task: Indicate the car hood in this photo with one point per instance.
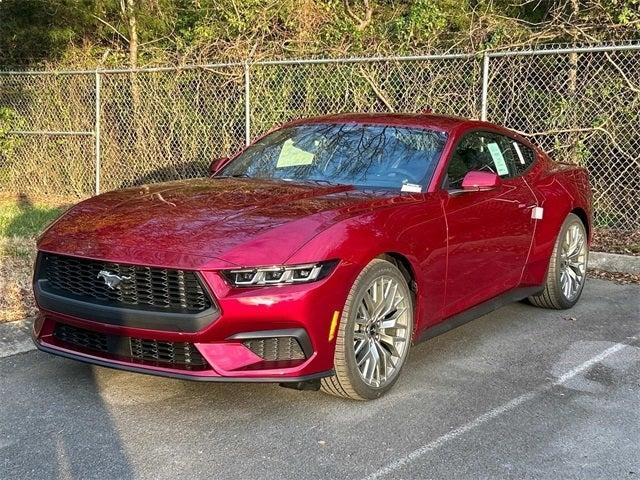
(201, 223)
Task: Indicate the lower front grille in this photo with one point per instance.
(82, 338)
(170, 352)
(174, 354)
(276, 348)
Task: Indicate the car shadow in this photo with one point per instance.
(30, 218)
(60, 419)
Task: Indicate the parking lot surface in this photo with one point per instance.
(519, 393)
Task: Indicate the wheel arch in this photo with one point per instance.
(582, 215)
(409, 273)
(405, 266)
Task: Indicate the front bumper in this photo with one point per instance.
(170, 373)
(305, 312)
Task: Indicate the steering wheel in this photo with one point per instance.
(401, 171)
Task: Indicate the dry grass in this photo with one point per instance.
(616, 241)
(16, 267)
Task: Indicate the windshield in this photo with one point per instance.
(375, 156)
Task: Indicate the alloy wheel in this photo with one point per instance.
(381, 331)
(573, 261)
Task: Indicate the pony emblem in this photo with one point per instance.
(112, 280)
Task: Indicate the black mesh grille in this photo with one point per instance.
(178, 354)
(171, 352)
(82, 338)
(276, 348)
(142, 287)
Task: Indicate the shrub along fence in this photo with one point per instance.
(75, 133)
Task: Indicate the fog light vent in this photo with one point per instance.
(276, 348)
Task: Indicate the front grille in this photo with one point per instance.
(142, 287)
(276, 348)
(175, 354)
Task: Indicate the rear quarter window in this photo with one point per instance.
(523, 157)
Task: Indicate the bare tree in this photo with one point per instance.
(361, 22)
(573, 81)
(127, 7)
(128, 10)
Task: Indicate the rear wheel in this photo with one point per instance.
(374, 334)
(567, 267)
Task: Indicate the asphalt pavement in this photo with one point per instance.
(519, 393)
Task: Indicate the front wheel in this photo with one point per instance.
(374, 334)
(567, 267)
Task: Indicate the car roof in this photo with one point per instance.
(436, 122)
(443, 123)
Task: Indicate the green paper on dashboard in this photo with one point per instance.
(292, 156)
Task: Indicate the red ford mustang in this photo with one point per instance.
(316, 256)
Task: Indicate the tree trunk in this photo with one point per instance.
(128, 10)
(574, 138)
(129, 13)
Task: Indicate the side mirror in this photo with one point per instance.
(475, 181)
(217, 164)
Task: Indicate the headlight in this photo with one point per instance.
(285, 275)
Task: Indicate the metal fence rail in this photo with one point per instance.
(80, 132)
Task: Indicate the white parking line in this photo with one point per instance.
(496, 412)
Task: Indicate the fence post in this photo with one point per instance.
(247, 104)
(485, 85)
(96, 130)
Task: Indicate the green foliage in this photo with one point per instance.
(21, 217)
(36, 31)
(623, 12)
(8, 121)
(426, 19)
(90, 32)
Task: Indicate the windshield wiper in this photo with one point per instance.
(235, 175)
(315, 181)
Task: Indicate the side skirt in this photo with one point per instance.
(479, 310)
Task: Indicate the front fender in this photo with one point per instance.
(416, 232)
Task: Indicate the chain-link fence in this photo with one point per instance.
(160, 125)
(75, 133)
(582, 107)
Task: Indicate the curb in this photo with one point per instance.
(614, 262)
(15, 337)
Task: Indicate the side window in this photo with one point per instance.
(479, 151)
(524, 156)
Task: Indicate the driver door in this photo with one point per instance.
(489, 232)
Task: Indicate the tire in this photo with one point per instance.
(554, 295)
(357, 343)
